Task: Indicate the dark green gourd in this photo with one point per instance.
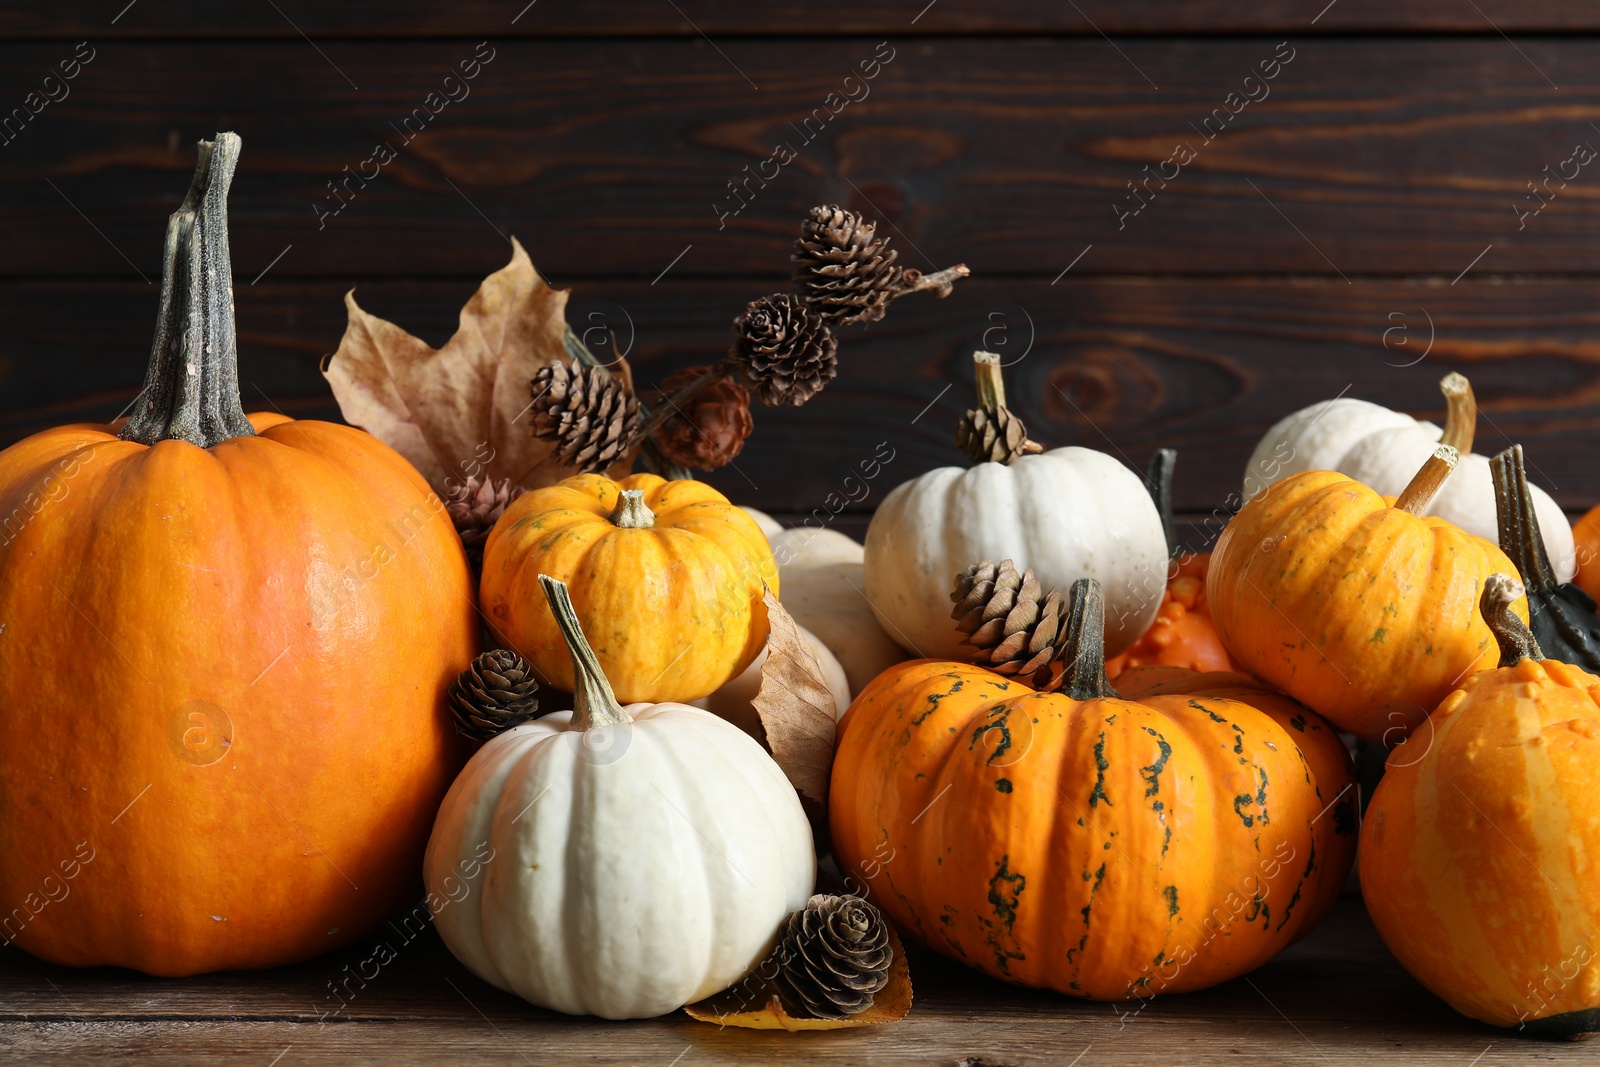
(1561, 616)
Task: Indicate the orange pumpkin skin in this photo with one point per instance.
(1109, 848)
(1478, 854)
(704, 562)
(1586, 538)
(1363, 612)
(1182, 634)
(301, 593)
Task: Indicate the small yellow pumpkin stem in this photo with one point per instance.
(631, 512)
(1516, 641)
(1428, 481)
(594, 704)
(1084, 653)
(1461, 422)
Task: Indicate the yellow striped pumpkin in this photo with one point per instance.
(1480, 854)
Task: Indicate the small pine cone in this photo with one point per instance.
(710, 428)
(842, 268)
(833, 957)
(498, 691)
(475, 506)
(785, 349)
(994, 435)
(590, 416)
(1015, 629)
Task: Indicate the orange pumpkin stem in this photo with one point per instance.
(1519, 531)
(1428, 481)
(1084, 651)
(631, 512)
(1461, 421)
(594, 704)
(191, 391)
(1516, 641)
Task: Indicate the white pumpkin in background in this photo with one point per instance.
(612, 861)
(823, 583)
(1066, 514)
(769, 525)
(1383, 449)
(735, 700)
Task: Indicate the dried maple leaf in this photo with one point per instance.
(462, 409)
(732, 1006)
(795, 707)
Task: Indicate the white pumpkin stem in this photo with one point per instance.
(1084, 653)
(991, 384)
(1516, 641)
(1519, 531)
(191, 390)
(594, 704)
(1158, 480)
(631, 512)
(1461, 421)
(1416, 497)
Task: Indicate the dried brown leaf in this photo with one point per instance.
(461, 409)
(796, 709)
(731, 1007)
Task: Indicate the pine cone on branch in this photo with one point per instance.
(590, 416)
(833, 957)
(842, 268)
(709, 429)
(786, 350)
(496, 692)
(1013, 627)
(847, 273)
(475, 506)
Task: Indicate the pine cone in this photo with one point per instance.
(710, 428)
(833, 957)
(475, 506)
(591, 416)
(1013, 632)
(785, 349)
(498, 691)
(993, 435)
(842, 269)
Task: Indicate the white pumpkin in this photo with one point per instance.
(1068, 513)
(735, 701)
(619, 862)
(1384, 448)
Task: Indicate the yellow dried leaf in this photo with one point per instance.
(462, 409)
(796, 709)
(731, 1007)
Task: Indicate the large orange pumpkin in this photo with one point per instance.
(1103, 846)
(1586, 539)
(225, 645)
(1357, 606)
(667, 579)
(1479, 848)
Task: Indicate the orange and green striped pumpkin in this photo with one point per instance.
(1479, 850)
(667, 578)
(1104, 846)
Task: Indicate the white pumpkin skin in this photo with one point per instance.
(622, 871)
(824, 587)
(735, 700)
(1068, 513)
(1384, 449)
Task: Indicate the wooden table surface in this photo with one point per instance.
(1336, 998)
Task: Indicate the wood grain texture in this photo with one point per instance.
(1377, 156)
(1123, 365)
(512, 18)
(1337, 998)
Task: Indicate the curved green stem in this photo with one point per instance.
(191, 391)
(1520, 535)
(1516, 641)
(1158, 480)
(594, 704)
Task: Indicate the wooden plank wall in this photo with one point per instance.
(1362, 221)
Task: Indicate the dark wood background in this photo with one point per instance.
(1357, 230)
